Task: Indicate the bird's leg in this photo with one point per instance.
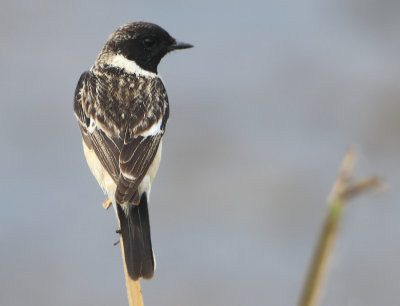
(107, 203)
(118, 231)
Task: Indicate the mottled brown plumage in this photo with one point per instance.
(122, 108)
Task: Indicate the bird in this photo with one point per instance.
(122, 109)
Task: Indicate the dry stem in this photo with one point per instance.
(341, 192)
(132, 287)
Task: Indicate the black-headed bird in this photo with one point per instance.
(122, 108)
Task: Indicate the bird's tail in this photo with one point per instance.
(135, 231)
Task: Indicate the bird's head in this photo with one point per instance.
(139, 43)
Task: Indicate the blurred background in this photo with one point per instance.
(262, 111)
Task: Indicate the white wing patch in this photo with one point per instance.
(129, 177)
(129, 66)
(154, 130)
(92, 126)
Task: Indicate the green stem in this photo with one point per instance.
(315, 275)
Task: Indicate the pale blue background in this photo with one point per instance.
(262, 111)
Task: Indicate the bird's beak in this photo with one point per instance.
(177, 45)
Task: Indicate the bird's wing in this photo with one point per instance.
(125, 155)
(137, 154)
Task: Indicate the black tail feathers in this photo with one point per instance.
(135, 231)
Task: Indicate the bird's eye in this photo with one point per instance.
(148, 42)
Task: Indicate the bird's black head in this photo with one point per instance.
(142, 42)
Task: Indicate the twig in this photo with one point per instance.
(132, 287)
(367, 183)
(341, 192)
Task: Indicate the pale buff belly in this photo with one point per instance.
(107, 183)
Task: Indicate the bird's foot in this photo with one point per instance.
(107, 203)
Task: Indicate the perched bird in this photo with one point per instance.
(122, 108)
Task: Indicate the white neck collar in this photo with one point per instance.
(129, 66)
